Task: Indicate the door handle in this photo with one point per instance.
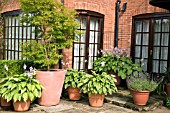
(150, 52)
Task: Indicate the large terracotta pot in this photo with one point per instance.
(74, 93)
(5, 103)
(140, 97)
(168, 89)
(53, 82)
(21, 106)
(96, 100)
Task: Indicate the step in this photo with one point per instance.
(123, 98)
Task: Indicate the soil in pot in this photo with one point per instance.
(96, 100)
(21, 106)
(140, 97)
(53, 82)
(74, 93)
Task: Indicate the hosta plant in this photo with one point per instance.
(118, 61)
(98, 83)
(73, 78)
(20, 87)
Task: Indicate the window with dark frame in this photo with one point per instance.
(87, 48)
(15, 34)
(150, 41)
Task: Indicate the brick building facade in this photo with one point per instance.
(104, 11)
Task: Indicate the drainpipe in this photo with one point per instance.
(117, 10)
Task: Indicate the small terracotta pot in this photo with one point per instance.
(140, 97)
(5, 103)
(96, 100)
(21, 106)
(53, 82)
(168, 89)
(74, 93)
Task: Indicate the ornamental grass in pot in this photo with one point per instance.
(56, 27)
(141, 84)
(71, 83)
(97, 86)
(22, 89)
(117, 62)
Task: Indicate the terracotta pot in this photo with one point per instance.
(53, 82)
(74, 93)
(21, 106)
(96, 100)
(5, 103)
(140, 97)
(168, 89)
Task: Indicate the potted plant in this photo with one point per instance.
(97, 86)
(22, 89)
(56, 29)
(118, 62)
(167, 81)
(71, 83)
(141, 84)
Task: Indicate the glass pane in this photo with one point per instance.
(96, 37)
(82, 63)
(95, 52)
(165, 39)
(137, 51)
(144, 52)
(76, 63)
(9, 21)
(137, 60)
(157, 27)
(13, 44)
(91, 40)
(97, 25)
(138, 39)
(138, 26)
(76, 49)
(163, 66)
(145, 26)
(83, 23)
(164, 53)
(156, 51)
(157, 39)
(91, 48)
(145, 39)
(144, 64)
(155, 66)
(83, 37)
(92, 24)
(165, 25)
(90, 62)
(82, 49)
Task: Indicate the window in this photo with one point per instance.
(14, 34)
(150, 41)
(86, 49)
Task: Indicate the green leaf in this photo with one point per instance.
(16, 97)
(31, 96)
(25, 96)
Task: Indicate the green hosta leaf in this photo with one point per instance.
(32, 87)
(3, 90)
(38, 87)
(16, 97)
(35, 92)
(23, 90)
(23, 84)
(29, 87)
(79, 85)
(31, 96)
(13, 86)
(25, 96)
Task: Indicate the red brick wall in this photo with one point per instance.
(9, 5)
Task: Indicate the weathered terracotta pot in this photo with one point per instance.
(96, 100)
(74, 93)
(140, 97)
(5, 103)
(21, 106)
(53, 82)
(168, 89)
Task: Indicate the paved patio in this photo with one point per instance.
(81, 106)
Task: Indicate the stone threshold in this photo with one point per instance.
(123, 98)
